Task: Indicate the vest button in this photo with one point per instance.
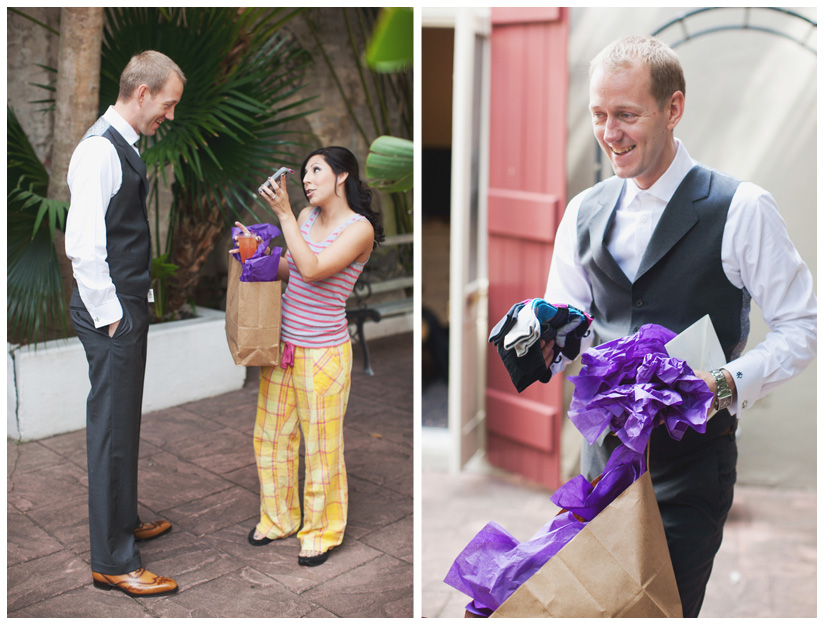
(639, 302)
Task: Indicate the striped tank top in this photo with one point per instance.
(313, 315)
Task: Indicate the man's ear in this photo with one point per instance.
(141, 93)
(675, 109)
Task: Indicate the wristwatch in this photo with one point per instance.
(724, 396)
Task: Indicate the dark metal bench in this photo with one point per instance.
(364, 306)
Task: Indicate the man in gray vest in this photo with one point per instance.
(667, 241)
(108, 242)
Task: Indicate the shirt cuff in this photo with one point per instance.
(746, 374)
(106, 314)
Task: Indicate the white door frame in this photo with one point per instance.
(468, 294)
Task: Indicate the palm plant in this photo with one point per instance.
(243, 84)
(243, 80)
(34, 289)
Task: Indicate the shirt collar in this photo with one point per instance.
(121, 125)
(666, 185)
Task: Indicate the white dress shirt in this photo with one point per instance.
(94, 178)
(757, 255)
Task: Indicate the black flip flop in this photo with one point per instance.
(258, 542)
(312, 561)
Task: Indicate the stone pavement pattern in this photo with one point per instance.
(197, 469)
(766, 566)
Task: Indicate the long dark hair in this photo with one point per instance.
(359, 196)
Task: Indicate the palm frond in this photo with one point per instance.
(34, 289)
(34, 299)
(24, 169)
(221, 143)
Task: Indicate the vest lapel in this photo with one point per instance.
(137, 164)
(600, 227)
(678, 217)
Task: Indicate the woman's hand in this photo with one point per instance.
(276, 196)
(245, 231)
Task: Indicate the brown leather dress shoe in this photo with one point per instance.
(150, 530)
(138, 584)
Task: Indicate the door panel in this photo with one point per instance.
(523, 215)
(528, 120)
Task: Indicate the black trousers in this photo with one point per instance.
(693, 480)
(113, 411)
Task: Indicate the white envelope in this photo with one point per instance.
(698, 345)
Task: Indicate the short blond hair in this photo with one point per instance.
(666, 75)
(150, 68)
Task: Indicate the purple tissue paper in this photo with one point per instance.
(260, 267)
(494, 564)
(630, 385)
(578, 496)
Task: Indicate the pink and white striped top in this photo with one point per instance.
(313, 315)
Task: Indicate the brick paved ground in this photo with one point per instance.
(197, 469)
(766, 566)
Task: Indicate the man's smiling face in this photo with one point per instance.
(629, 125)
(156, 109)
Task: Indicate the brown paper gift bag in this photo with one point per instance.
(253, 319)
(616, 566)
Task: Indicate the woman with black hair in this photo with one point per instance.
(328, 245)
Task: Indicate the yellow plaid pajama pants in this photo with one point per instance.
(311, 396)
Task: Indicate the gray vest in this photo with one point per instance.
(128, 239)
(680, 278)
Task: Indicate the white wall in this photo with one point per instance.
(751, 112)
(48, 384)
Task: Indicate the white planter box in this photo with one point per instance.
(187, 360)
(388, 327)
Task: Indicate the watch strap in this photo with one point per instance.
(724, 396)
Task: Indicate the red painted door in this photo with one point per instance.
(528, 121)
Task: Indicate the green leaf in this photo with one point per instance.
(161, 269)
(34, 289)
(390, 164)
(391, 46)
(38, 22)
